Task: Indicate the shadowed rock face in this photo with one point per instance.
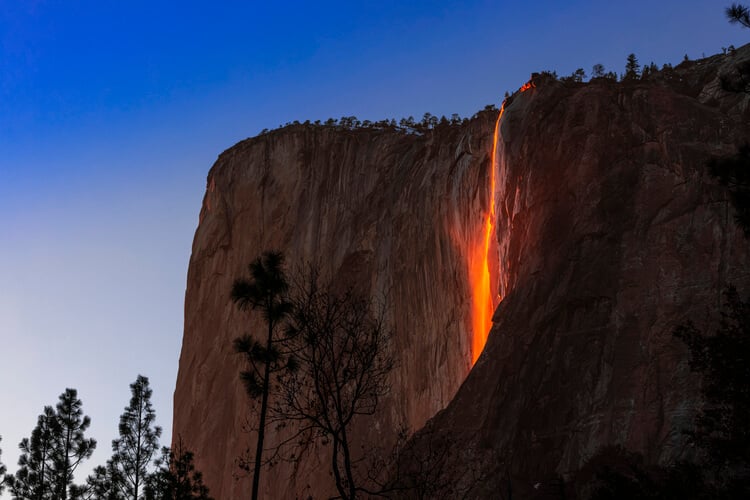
(394, 213)
(609, 234)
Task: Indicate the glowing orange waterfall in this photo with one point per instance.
(483, 304)
(483, 301)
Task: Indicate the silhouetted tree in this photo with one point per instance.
(548, 75)
(429, 121)
(577, 76)
(175, 477)
(407, 123)
(50, 456)
(737, 79)
(597, 71)
(71, 447)
(649, 70)
(2, 471)
(723, 360)
(430, 467)
(138, 441)
(265, 291)
(632, 68)
(35, 477)
(343, 356)
(738, 14)
(105, 483)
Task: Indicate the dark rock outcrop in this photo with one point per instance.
(611, 233)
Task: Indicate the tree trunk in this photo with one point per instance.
(348, 464)
(263, 410)
(335, 467)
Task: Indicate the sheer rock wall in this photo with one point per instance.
(390, 211)
(611, 234)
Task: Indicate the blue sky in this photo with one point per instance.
(111, 114)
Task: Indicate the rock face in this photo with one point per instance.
(609, 233)
(397, 213)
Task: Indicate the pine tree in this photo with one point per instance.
(2, 471)
(35, 478)
(175, 477)
(71, 447)
(597, 71)
(632, 68)
(138, 441)
(738, 13)
(104, 483)
(265, 291)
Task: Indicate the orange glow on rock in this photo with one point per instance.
(481, 268)
(526, 86)
(483, 304)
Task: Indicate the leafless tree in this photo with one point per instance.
(343, 360)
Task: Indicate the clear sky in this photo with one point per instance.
(112, 112)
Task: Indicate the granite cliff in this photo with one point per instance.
(607, 232)
(397, 213)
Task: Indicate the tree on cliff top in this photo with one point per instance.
(265, 291)
(341, 345)
(738, 14)
(632, 68)
(138, 441)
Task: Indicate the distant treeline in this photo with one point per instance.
(406, 125)
(633, 71)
